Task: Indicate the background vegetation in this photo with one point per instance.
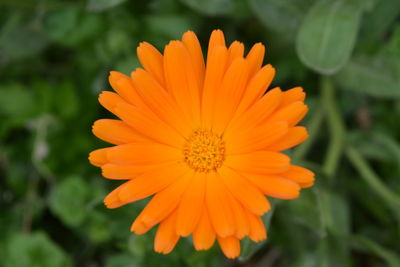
(54, 60)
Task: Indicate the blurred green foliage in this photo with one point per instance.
(54, 60)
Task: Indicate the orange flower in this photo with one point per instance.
(204, 139)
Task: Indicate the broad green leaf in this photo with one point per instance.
(327, 36)
(34, 250)
(68, 200)
(283, 16)
(211, 7)
(378, 76)
(379, 19)
(101, 5)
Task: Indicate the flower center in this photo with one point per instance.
(204, 151)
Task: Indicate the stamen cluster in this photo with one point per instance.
(204, 151)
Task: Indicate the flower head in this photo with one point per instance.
(204, 139)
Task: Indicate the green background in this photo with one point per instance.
(54, 60)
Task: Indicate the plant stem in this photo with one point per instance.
(371, 178)
(335, 125)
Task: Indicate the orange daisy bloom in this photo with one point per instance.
(204, 139)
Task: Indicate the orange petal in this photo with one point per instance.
(248, 195)
(192, 44)
(148, 125)
(256, 87)
(230, 93)
(218, 206)
(256, 138)
(241, 223)
(122, 84)
(126, 172)
(292, 95)
(261, 162)
(257, 228)
(151, 182)
(258, 112)
(139, 227)
(292, 113)
(162, 204)
(115, 132)
(112, 200)
(204, 234)
(216, 65)
(166, 238)
(236, 50)
(191, 206)
(294, 137)
(152, 61)
(181, 80)
(143, 153)
(98, 157)
(230, 246)
(159, 101)
(110, 100)
(274, 186)
(255, 58)
(306, 185)
(300, 175)
(216, 39)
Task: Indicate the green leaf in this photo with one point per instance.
(379, 20)
(16, 101)
(21, 41)
(334, 213)
(304, 210)
(327, 36)
(377, 76)
(367, 245)
(68, 100)
(122, 260)
(35, 250)
(61, 23)
(377, 145)
(99, 228)
(138, 244)
(283, 16)
(170, 26)
(68, 200)
(211, 7)
(101, 5)
(333, 252)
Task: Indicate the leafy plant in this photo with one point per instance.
(54, 60)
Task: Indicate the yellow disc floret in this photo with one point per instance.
(204, 151)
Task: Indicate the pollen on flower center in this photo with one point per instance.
(204, 151)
